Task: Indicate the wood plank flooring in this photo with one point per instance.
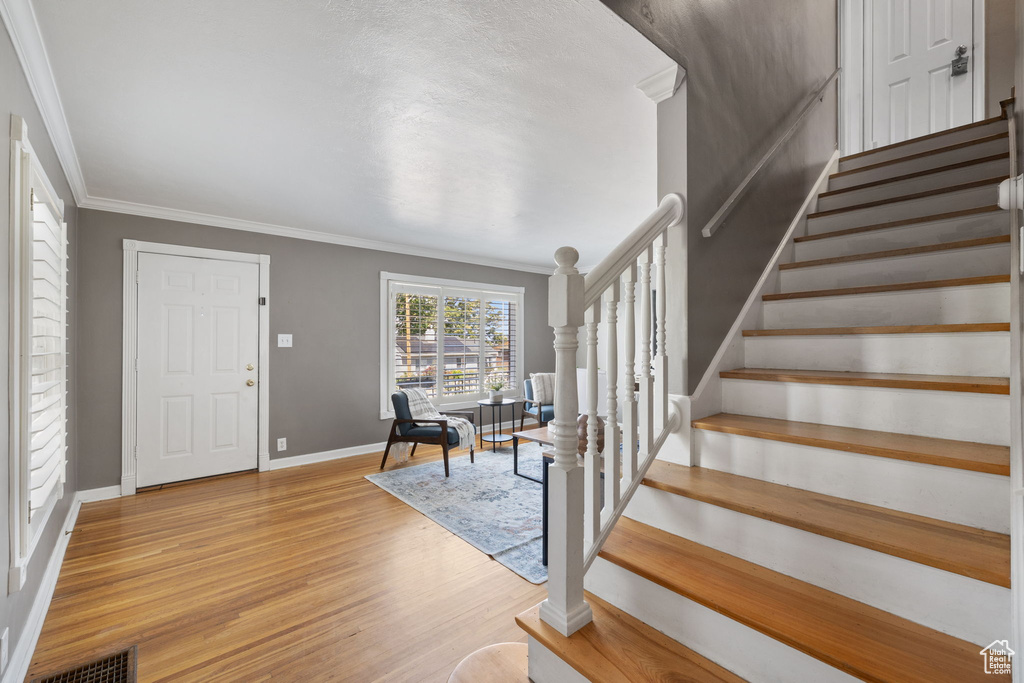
(303, 574)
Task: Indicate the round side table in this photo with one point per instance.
(495, 437)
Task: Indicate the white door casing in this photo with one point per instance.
(198, 349)
(908, 55)
(132, 381)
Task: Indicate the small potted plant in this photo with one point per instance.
(494, 385)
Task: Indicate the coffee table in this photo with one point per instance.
(544, 438)
(541, 435)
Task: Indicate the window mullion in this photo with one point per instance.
(481, 342)
(439, 364)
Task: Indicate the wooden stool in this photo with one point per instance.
(501, 663)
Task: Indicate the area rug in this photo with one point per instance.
(482, 503)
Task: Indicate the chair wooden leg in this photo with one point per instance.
(471, 453)
(413, 451)
(444, 454)
(522, 417)
(386, 451)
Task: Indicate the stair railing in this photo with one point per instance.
(579, 516)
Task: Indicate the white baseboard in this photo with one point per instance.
(324, 456)
(104, 493)
(21, 655)
(338, 453)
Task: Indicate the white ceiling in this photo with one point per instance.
(497, 130)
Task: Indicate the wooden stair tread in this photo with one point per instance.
(861, 640)
(895, 287)
(499, 663)
(964, 455)
(907, 197)
(957, 548)
(885, 380)
(930, 136)
(619, 648)
(892, 253)
(963, 213)
(916, 174)
(926, 153)
(882, 329)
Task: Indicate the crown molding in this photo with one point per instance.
(663, 84)
(20, 20)
(23, 28)
(149, 211)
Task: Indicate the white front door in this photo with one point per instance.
(913, 91)
(198, 349)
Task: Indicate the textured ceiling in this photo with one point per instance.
(496, 129)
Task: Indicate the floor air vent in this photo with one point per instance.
(115, 668)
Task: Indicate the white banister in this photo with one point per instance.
(612, 472)
(565, 609)
(646, 402)
(579, 516)
(660, 357)
(591, 459)
(630, 434)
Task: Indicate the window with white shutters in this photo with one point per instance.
(449, 338)
(38, 353)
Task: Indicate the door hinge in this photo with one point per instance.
(263, 301)
(136, 365)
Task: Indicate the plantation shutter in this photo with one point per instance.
(501, 337)
(47, 334)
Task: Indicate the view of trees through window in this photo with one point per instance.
(478, 342)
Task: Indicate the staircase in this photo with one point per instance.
(846, 511)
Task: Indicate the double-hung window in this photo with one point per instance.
(38, 356)
(449, 338)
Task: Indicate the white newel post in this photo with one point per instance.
(564, 609)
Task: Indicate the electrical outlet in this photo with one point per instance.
(3, 649)
(284, 341)
(282, 444)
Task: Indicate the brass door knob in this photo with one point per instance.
(249, 367)
(250, 383)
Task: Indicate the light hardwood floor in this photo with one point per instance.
(304, 574)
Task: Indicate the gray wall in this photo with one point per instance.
(324, 392)
(750, 65)
(15, 98)
(1000, 48)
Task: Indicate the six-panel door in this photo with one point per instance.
(197, 373)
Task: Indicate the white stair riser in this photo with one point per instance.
(935, 232)
(976, 499)
(979, 354)
(983, 418)
(547, 667)
(741, 649)
(900, 188)
(925, 163)
(934, 306)
(950, 138)
(954, 604)
(991, 259)
(986, 195)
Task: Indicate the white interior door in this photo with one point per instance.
(913, 91)
(198, 348)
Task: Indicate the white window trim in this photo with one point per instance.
(387, 411)
(27, 179)
(129, 348)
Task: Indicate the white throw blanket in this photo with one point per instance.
(421, 408)
(543, 387)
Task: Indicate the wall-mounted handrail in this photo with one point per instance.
(716, 221)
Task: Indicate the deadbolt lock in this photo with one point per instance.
(250, 383)
(250, 367)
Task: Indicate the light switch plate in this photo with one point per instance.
(282, 444)
(284, 341)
